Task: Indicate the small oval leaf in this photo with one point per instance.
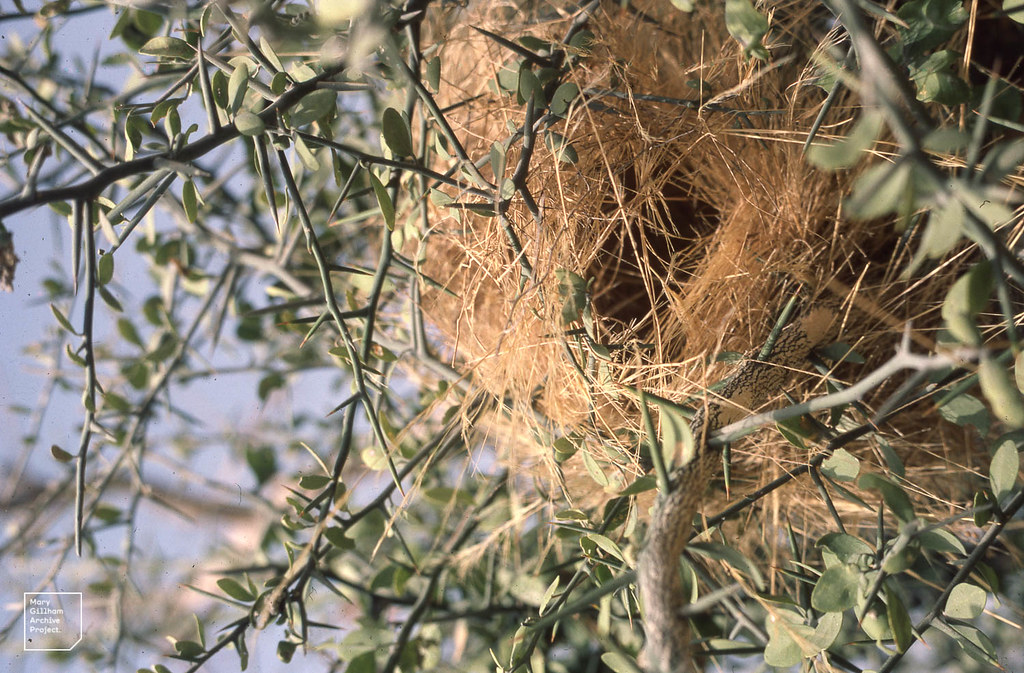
(966, 601)
(249, 124)
(170, 47)
(836, 589)
(396, 132)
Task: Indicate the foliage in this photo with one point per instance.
(240, 186)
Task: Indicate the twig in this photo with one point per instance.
(89, 396)
(903, 359)
(88, 190)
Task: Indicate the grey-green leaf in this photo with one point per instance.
(899, 622)
(433, 74)
(848, 151)
(396, 132)
(894, 495)
(747, 26)
(965, 410)
(249, 124)
(387, 207)
(234, 589)
(60, 454)
(968, 296)
(841, 466)
(836, 589)
(1005, 465)
(966, 601)
(1001, 392)
(105, 268)
(238, 84)
(564, 95)
(170, 47)
(312, 107)
(190, 200)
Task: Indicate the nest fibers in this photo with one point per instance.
(693, 224)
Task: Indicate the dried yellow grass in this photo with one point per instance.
(695, 225)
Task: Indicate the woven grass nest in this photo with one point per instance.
(693, 224)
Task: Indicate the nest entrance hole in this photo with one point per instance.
(656, 236)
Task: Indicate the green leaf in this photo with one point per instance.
(786, 633)
(619, 663)
(60, 455)
(271, 54)
(929, 23)
(845, 548)
(109, 299)
(188, 650)
(848, 151)
(841, 466)
(966, 601)
(219, 85)
(269, 384)
(941, 540)
(899, 621)
(606, 544)
(234, 589)
(825, 633)
(966, 410)
(879, 190)
(286, 650)
(306, 155)
(594, 470)
(1018, 371)
(564, 448)
(105, 268)
(396, 132)
(571, 515)
(937, 81)
(314, 482)
(262, 461)
(238, 84)
(945, 226)
(794, 432)
(648, 482)
(836, 589)
(563, 97)
(508, 76)
(312, 107)
(1005, 465)
(875, 622)
(171, 47)
(894, 495)
(64, 322)
(965, 299)
(433, 74)
(731, 556)
(1014, 10)
(530, 87)
(336, 536)
(249, 123)
(364, 663)
(560, 147)
(1001, 392)
(747, 26)
(573, 290)
(387, 208)
(190, 200)
(976, 644)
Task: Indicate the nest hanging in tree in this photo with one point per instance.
(690, 216)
